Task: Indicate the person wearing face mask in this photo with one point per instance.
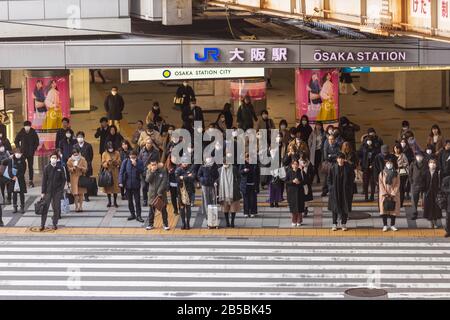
(351, 159)
(308, 172)
(61, 133)
(298, 146)
(376, 140)
(429, 153)
(405, 132)
(193, 113)
(246, 115)
(331, 150)
(130, 174)
(435, 139)
(221, 123)
(284, 132)
(77, 166)
(114, 106)
(17, 162)
(148, 153)
(52, 191)
(111, 162)
(444, 160)
(389, 189)
(412, 142)
(184, 95)
(169, 142)
(87, 153)
(226, 111)
(348, 131)
(102, 133)
(295, 182)
(186, 191)
(417, 171)
(367, 156)
(171, 166)
(154, 111)
(431, 210)
(137, 133)
(28, 141)
(315, 145)
(124, 151)
(207, 175)
(229, 195)
(340, 183)
(249, 186)
(304, 127)
(152, 134)
(157, 179)
(4, 157)
(265, 123)
(66, 145)
(114, 137)
(5, 142)
(403, 170)
(381, 159)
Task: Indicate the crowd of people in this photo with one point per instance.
(145, 166)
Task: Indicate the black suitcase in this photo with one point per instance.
(93, 188)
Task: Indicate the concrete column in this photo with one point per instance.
(420, 90)
(375, 82)
(434, 17)
(404, 10)
(326, 8)
(303, 8)
(176, 12)
(80, 95)
(363, 14)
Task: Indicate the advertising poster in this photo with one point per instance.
(48, 101)
(317, 94)
(255, 89)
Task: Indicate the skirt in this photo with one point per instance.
(327, 111)
(233, 206)
(275, 192)
(53, 119)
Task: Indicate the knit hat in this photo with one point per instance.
(370, 130)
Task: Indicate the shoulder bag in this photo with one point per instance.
(158, 203)
(84, 182)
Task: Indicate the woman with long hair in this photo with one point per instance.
(435, 138)
(111, 162)
(403, 170)
(53, 117)
(327, 109)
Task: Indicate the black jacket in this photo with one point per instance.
(102, 134)
(246, 116)
(54, 179)
(207, 175)
(114, 106)
(87, 153)
(187, 92)
(5, 142)
(444, 165)
(19, 165)
(61, 135)
(115, 139)
(196, 113)
(3, 130)
(417, 176)
(250, 177)
(367, 157)
(27, 142)
(341, 194)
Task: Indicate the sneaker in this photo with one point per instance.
(414, 217)
(132, 217)
(334, 228)
(344, 227)
(385, 228)
(149, 228)
(393, 228)
(166, 228)
(252, 216)
(294, 224)
(299, 224)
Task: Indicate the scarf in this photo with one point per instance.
(226, 184)
(390, 175)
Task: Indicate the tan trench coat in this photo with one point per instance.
(113, 167)
(393, 190)
(75, 174)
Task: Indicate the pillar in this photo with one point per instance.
(363, 14)
(176, 12)
(326, 9)
(80, 94)
(434, 17)
(377, 81)
(420, 90)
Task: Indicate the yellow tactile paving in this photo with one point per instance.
(237, 232)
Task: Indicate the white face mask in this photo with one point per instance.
(68, 135)
(27, 128)
(2, 149)
(80, 140)
(282, 127)
(110, 150)
(389, 166)
(429, 151)
(53, 161)
(403, 144)
(304, 122)
(77, 158)
(369, 143)
(419, 159)
(169, 131)
(18, 155)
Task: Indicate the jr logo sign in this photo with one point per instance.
(208, 53)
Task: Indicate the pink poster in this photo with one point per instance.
(256, 90)
(48, 101)
(317, 94)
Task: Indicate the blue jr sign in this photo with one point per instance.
(213, 53)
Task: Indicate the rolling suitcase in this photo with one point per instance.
(212, 218)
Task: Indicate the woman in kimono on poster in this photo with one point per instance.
(53, 118)
(327, 110)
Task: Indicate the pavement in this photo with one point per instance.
(93, 267)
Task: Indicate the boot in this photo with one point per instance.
(233, 215)
(86, 197)
(109, 201)
(139, 218)
(15, 209)
(131, 217)
(22, 209)
(227, 219)
(115, 201)
(1, 220)
(188, 218)
(183, 218)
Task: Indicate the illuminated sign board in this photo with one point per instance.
(193, 73)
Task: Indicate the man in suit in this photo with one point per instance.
(28, 141)
(114, 105)
(87, 153)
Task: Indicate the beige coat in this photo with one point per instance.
(75, 173)
(155, 136)
(393, 190)
(111, 162)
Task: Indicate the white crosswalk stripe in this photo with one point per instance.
(196, 269)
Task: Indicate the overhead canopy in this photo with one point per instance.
(147, 53)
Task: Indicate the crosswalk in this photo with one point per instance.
(221, 269)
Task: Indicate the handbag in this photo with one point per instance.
(105, 178)
(403, 172)
(358, 176)
(178, 100)
(84, 182)
(39, 207)
(388, 204)
(185, 199)
(158, 203)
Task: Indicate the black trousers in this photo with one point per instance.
(2, 187)
(317, 161)
(185, 213)
(343, 217)
(22, 199)
(145, 191)
(368, 180)
(447, 222)
(385, 219)
(403, 180)
(415, 196)
(134, 195)
(250, 200)
(173, 198)
(151, 216)
(30, 161)
(55, 200)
